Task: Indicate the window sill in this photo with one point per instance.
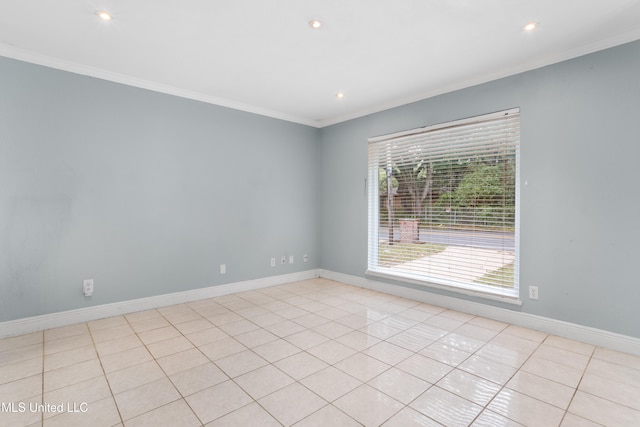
(475, 292)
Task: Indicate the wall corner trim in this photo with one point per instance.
(64, 318)
(586, 334)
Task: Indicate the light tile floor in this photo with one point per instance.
(311, 353)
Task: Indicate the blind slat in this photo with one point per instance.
(448, 212)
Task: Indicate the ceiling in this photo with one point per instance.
(263, 57)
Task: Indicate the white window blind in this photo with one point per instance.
(443, 204)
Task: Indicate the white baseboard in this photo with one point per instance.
(568, 330)
(560, 328)
(64, 318)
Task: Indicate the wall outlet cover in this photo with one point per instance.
(87, 287)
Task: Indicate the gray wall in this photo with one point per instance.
(148, 193)
(143, 192)
(580, 153)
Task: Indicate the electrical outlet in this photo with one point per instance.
(533, 292)
(273, 262)
(305, 258)
(87, 287)
(290, 259)
(223, 268)
(283, 260)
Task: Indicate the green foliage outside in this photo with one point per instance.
(470, 186)
(478, 193)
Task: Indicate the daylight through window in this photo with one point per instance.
(443, 205)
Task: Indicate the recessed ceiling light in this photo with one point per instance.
(104, 15)
(531, 26)
(315, 24)
(340, 95)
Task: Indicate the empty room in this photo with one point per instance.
(319, 213)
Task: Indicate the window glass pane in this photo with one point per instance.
(443, 204)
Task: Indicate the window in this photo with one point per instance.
(443, 205)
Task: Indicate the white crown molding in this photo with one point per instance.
(70, 317)
(560, 328)
(617, 40)
(40, 59)
(85, 70)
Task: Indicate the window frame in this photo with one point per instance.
(509, 295)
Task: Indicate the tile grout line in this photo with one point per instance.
(172, 325)
(298, 381)
(453, 369)
(328, 403)
(366, 383)
(504, 386)
(155, 359)
(432, 385)
(104, 373)
(575, 391)
(162, 369)
(369, 304)
(268, 363)
(540, 344)
(392, 366)
(591, 357)
(214, 363)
